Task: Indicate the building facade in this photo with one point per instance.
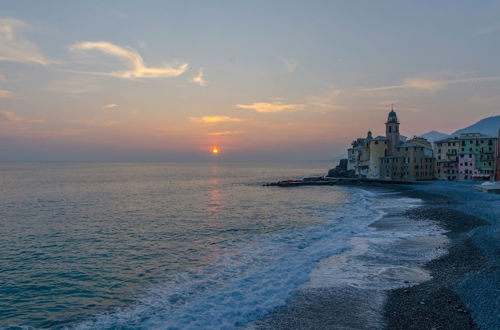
(469, 156)
(392, 157)
(446, 152)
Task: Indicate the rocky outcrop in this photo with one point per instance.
(341, 171)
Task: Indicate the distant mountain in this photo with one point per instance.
(488, 126)
(433, 136)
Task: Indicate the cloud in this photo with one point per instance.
(432, 85)
(5, 93)
(224, 133)
(200, 79)
(214, 119)
(137, 68)
(267, 107)
(7, 117)
(14, 48)
(110, 106)
(289, 64)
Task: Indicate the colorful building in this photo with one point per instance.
(392, 157)
(469, 156)
(467, 166)
(446, 152)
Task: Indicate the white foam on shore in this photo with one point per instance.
(389, 255)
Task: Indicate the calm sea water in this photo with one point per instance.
(187, 246)
(79, 240)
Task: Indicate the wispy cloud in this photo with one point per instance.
(200, 78)
(224, 133)
(137, 68)
(289, 64)
(214, 119)
(15, 48)
(432, 85)
(268, 107)
(110, 106)
(7, 117)
(5, 93)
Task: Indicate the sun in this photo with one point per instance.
(214, 150)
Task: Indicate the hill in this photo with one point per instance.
(488, 126)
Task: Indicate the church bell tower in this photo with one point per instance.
(392, 132)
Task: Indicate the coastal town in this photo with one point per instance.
(468, 156)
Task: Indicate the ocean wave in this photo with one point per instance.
(247, 279)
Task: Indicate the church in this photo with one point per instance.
(392, 157)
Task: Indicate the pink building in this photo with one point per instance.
(447, 170)
(466, 166)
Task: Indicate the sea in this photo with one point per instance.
(196, 245)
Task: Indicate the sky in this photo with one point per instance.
(261, 80)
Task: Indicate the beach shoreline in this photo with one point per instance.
(432, 304)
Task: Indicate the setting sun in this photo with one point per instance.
(215, 150)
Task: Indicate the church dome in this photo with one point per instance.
(392, 118)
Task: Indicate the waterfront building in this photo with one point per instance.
(469, 156)
(410, 162)
(392, 157)
(466, 166)
(446, 151)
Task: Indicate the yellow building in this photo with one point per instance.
(391, 157)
